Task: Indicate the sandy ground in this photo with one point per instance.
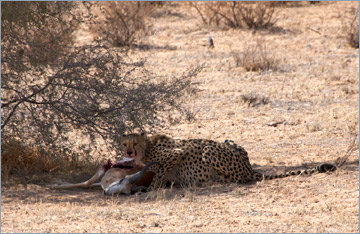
(315, 90)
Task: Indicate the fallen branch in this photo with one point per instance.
(354, 144)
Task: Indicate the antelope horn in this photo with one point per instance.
(138, 175)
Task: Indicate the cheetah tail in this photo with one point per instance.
(320, 169)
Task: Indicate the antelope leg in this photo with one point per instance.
(87, 184)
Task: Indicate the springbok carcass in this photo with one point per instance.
(125, 176)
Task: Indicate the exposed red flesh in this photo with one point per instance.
(123, 164)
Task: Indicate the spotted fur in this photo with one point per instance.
(199, 161)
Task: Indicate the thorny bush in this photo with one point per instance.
(68, 101)
(121, 23)
(33, 35)
(258, 15)
(351, 27)
(95, 91)
(256, 57)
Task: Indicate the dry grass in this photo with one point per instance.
(253, 100)
(258, 16)
(20, 160)
(353, 28)
(250, 15)
(256, 57)
(122, 23)
(32, 164)
(316, 88)
(350, 24)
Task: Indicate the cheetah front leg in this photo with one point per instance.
(159, 178)
(168, 163)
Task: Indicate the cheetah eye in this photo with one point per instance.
(124, 144)
(135, 143)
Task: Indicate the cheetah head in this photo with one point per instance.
(134, 146)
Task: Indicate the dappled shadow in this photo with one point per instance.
(246, 188)
(177, 193)
(34, 194)
(351, 166)
(277, 31)
(44, 194)
(153, 47)
(168, 13)
(271, 169)
(280, 30)
(40, 193)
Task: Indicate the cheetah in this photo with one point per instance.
(194, 162)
